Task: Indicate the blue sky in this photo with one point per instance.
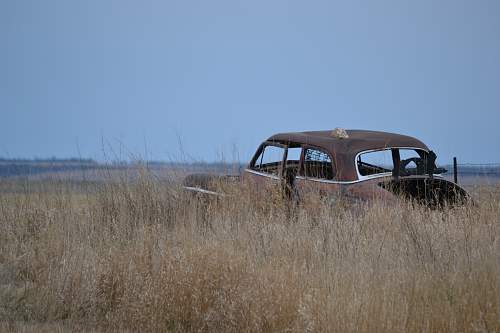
(135, 78)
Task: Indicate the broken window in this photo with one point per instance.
(318, 164)
(412, 162)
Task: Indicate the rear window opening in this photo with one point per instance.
(397, 161)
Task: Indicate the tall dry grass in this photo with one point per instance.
(146, 256)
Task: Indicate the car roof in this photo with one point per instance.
(355, 142)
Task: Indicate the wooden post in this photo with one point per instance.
(455, 170)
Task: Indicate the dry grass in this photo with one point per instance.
(144, 256)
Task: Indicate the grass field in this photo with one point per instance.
(145, 256)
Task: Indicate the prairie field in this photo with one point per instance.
(144, 255)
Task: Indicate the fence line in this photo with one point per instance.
(495, 165)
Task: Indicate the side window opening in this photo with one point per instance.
(375, 162)
(318, 164)
(411, 162)
(270, 160)
(293, 158)
(292, 163)
(418, 162)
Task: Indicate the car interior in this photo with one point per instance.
(317, 164)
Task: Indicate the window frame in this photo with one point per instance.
(259, 152)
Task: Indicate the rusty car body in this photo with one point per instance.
(355, 164)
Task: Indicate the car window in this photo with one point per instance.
(270, 160)
(293, 157)
(375, 162)
(411, 162)
(292, 161)
(293, 154)
(318, 164)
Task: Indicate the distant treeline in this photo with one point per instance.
(48, 160)
(29, 167)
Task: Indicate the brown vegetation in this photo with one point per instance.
(146, 256)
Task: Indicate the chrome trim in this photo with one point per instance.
(262, 174)
(200, 190)
(326, 181)
(346, 182)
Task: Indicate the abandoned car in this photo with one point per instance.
(357, 164)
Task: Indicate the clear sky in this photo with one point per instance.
(138, 77)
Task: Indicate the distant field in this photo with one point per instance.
(88, 170)
(139, 254)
